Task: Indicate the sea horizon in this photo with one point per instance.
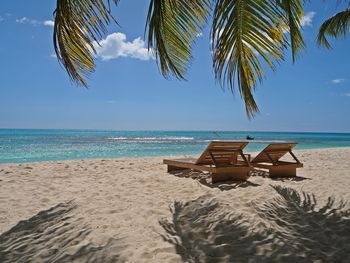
(36, 145)
(169, 130)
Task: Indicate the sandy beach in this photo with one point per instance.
(132, 210)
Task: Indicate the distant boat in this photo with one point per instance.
(250, 138)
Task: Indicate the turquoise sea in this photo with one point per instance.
(19, 145)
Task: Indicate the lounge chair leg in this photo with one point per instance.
(175, 168)
(282, 172)
(218, 177)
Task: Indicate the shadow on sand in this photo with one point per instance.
(290, 228)
(205, 179)
(266, 174)
(54, 235)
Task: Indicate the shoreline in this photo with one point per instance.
(158, 156)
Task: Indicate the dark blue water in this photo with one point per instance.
(18, 146)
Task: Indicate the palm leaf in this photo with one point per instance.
(334, 27)
(173, 26)
(293, 13)
(78, 25)
(246, 33)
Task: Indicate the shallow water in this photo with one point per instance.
(19, 145)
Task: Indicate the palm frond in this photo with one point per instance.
(78, 24)
(244, 34)
(293, 13)
(334, 27)
(173, 26)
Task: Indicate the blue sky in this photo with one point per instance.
(127, 92)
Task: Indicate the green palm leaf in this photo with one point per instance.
(173, 26)
(293, 12)
(243, 33)
(334, 27)
(246, 36)
(78, 23)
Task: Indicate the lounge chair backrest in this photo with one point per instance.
(273, 152)
(224, 153)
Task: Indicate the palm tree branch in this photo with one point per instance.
(173, 26)
(293, 13)
(334, 27)
(245, 34)
(79, 24)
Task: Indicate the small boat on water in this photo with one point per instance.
(249, 138)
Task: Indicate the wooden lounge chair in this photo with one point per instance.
(269, 158)
(224, 160)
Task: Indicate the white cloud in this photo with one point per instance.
(337, 81)
(115, 45)
(347, 94)
(34, 22)
(307, 19)
(48, 23)
(26, 20)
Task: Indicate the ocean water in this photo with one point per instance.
(18, 146)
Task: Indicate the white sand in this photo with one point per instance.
(123, 210)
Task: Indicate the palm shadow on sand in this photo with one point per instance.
(54, 235)
(205, 179)
(289, 228)
(266, 174)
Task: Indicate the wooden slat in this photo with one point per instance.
(287, 165)
(188, 165)
(220, 146)
(273, 152)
